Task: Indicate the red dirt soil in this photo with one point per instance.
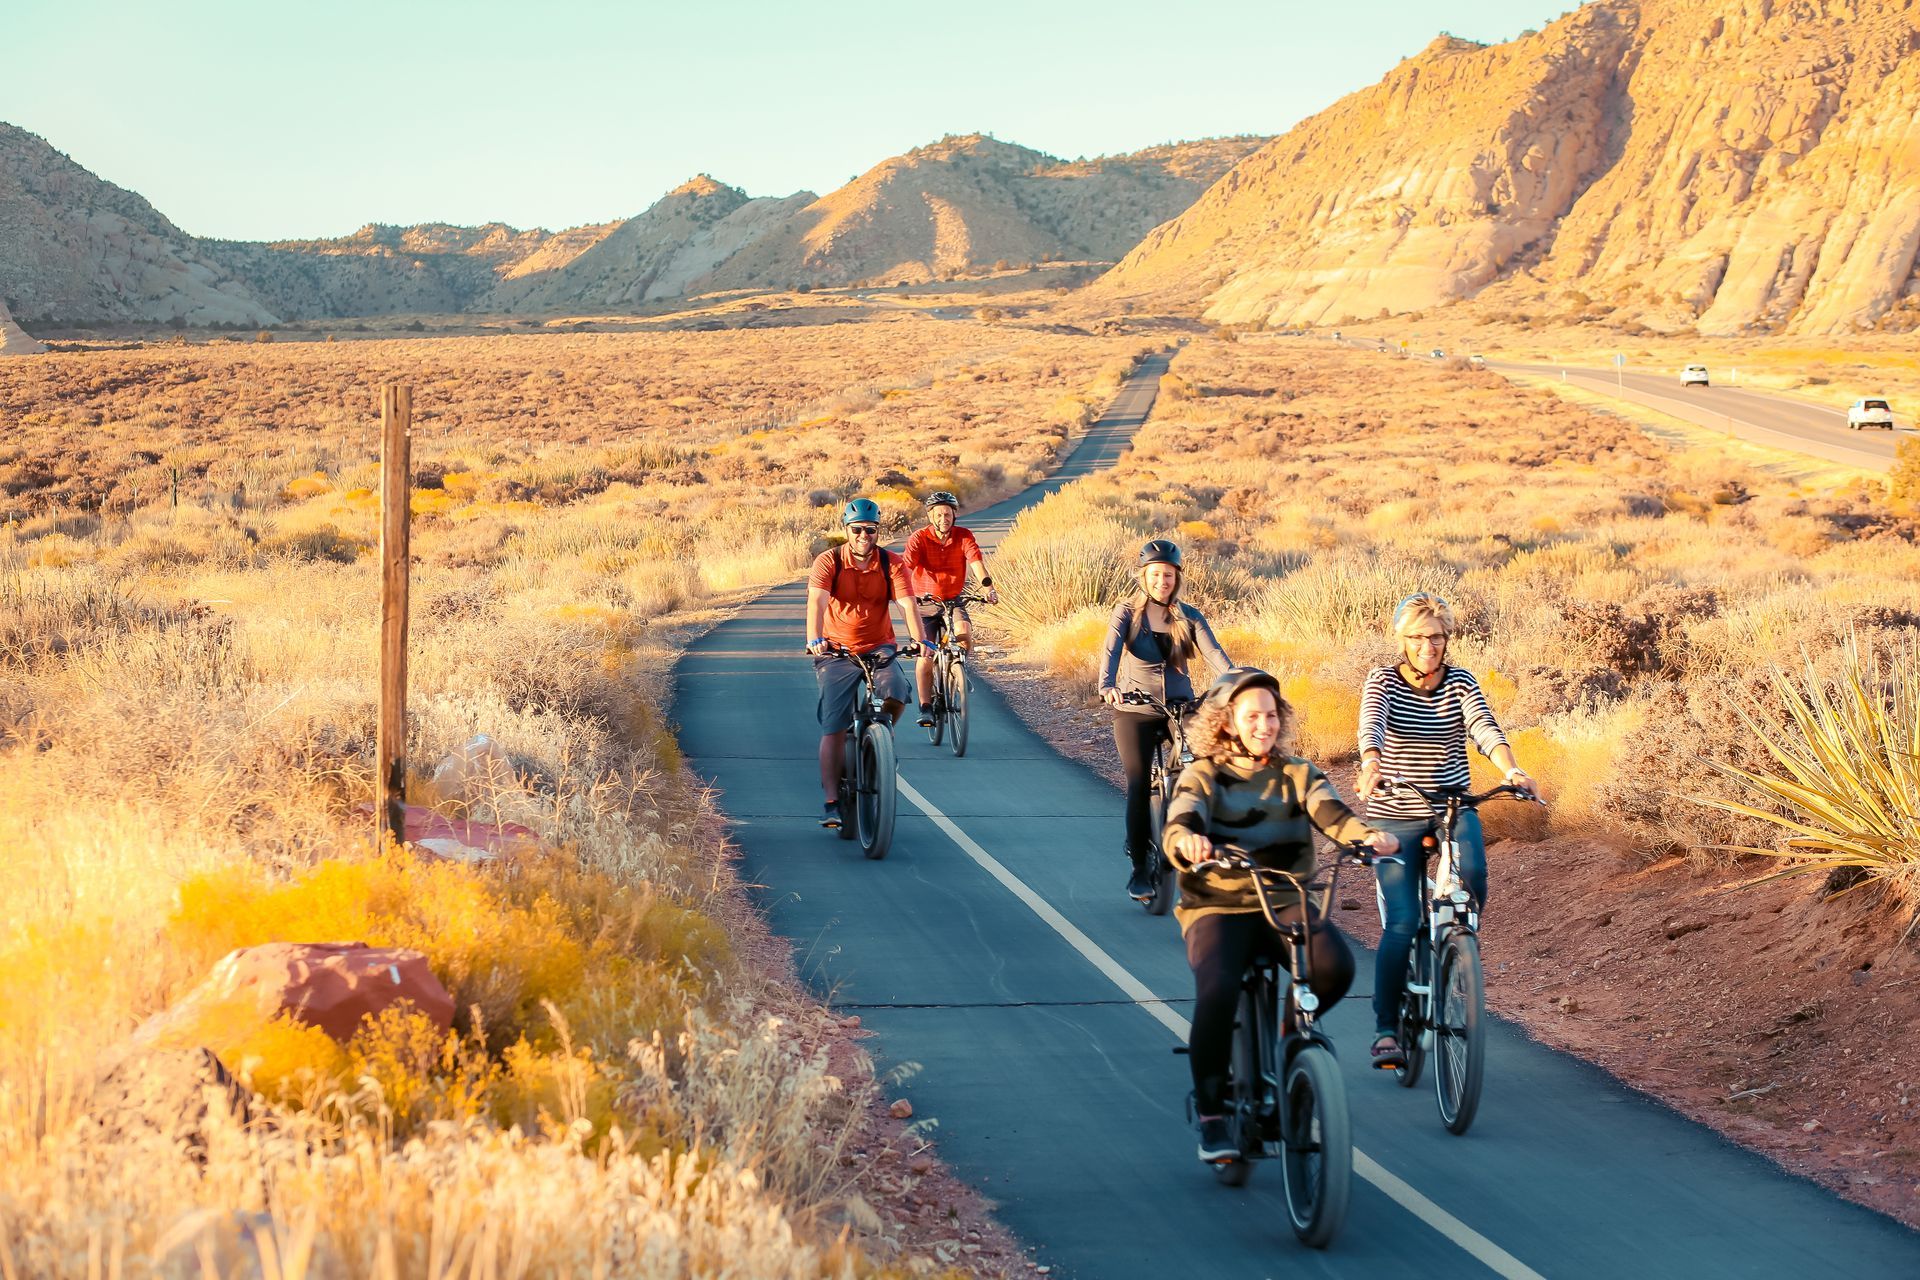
(1784, 1020)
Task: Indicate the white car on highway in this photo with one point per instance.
(1870, 411)
(1694, 375)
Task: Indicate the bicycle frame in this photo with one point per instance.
(1263, 979)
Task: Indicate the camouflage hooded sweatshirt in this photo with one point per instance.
(1270, 810)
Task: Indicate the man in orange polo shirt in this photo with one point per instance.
(938, 558)
(848, 594)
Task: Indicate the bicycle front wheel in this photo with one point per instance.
(879, 793)
(1164, 886)
(956, 689)
(849, 788)
(1459, 1030)
(1317, 1159)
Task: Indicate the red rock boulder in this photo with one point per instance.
(330, 985)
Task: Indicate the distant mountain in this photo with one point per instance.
(1683, 164)
(967, 202)
(77, 248)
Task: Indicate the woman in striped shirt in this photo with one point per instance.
(1415, 719)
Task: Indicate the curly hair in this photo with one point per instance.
(1211, 734)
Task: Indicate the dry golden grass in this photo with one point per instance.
(186, 710)
(1612, 589)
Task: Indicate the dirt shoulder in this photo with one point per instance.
(1783, 1021)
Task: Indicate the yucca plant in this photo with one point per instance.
(1847, 785)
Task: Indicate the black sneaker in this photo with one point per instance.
(1140, 884)
(1216, 1143)
(926, 715)
(830, 818)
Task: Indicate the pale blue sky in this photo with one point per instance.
(261, 120)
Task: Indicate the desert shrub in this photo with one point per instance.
(1838, 787)
(1903, 482)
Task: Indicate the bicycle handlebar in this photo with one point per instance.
(1467, 799)
(1173, 707)
(834, 649)
(965, 597)
(1239, 859)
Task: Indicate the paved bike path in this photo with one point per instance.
(1058, 1094)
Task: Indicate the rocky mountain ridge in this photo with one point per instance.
(74, 248)
(1724, 166)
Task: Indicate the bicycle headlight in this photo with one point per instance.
(1309, 1001)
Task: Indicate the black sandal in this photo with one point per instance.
(1387, 1053)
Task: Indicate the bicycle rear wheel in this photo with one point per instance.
(955, 685)
(939, 726)
(879, 794)
(1412, 1028)
(1243, 1095)
(1460, 1033)
(1316, 1162)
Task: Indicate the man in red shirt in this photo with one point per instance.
(938, 558)
(848, 595)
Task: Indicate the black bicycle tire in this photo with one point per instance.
(1314, 1076)
(1243, 1076)
(1457, 1093)
(1412, 1025)
(956, 686)
(881, 796)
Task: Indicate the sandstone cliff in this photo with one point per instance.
(13, 339)
(1746, 165)
(78, 249)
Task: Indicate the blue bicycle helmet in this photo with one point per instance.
(860, 511)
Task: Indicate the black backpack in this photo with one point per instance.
(886, 570)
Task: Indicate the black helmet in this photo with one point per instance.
(1235, 681)
(941, 498)
(1160, 551)
(860, 511)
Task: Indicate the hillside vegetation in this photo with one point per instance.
(186, 713)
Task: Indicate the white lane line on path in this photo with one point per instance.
(1496, 1259)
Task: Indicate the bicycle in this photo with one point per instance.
(869, 784)
(1169, 758)
(1444, 1008)
(1287, 1098)
(950, 676)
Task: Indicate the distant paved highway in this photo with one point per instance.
(995, 948)
(1780, 422)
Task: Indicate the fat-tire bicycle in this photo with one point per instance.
(1444, 1010)
(1286, 1099)
(869, 782)
(1169, 758)
(950, 676)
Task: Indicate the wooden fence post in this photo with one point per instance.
(396, 502)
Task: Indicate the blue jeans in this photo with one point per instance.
(1400, 887)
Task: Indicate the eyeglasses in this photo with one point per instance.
(1428, 642)
(863, 531)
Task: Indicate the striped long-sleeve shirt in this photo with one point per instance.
(1422, 735)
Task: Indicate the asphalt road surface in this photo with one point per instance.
(1777, 421)
(995, 948)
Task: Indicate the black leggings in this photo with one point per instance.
(1219, 949)
(1136, 736)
